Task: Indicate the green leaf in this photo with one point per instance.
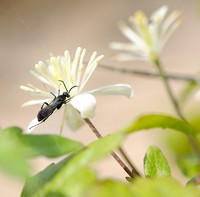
(56, 177)
(73, 186)
(48, 145)
(110, 188)
(155, 163)
(182, 147)
(187, 91)
(162, 187)
(95, 151)
(194, 115)
(12, 158)
(188, 164)
(33, 184)
(186, 159)
(11, 131)
(16, 148)
(160, 121)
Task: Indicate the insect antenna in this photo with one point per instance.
(72, 88)
(64, 85)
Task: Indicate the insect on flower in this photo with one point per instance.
(57, 103)
(76, 103)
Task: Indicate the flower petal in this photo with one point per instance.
(80, 68)
(63, 119)
(85, 104)
(115, 89)
(75, 62)
(40, 77)
(173, 17)
(35, 102)
(168, 33)
(129, 57)
(197, 95)
(32, 125)
(46, 73)
(130, 34)
(125, 47)
(73, 118)
(158, 16)
(131, 51)
(90, 69)
(35, 90)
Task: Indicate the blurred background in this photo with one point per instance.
(31, 30)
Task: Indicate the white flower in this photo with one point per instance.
(81, 104)
(147, 36)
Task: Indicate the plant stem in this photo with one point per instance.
(176, 105)
(116, 157)
(182, 77)
(134, 171)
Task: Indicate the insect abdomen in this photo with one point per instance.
(44, 114)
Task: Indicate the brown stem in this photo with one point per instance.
(181, 77)
(116, 157)
(134, 171)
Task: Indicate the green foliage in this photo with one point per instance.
(160, 121)
(155, 163)
(187, 91)
(36, 182)
(48, 145)
(12, 158)
(162, 187)
(110, 188)
(188, 164)
(182, 147)
(186, 159)
(16, 148)
(73, 177)
(156, 187)
(70, 173)
(40, 184)
(195, 117)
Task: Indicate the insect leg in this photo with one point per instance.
(49, 91)
(44, 104)
(53, 95)
(66, 101)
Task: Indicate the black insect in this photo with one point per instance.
(57, 103)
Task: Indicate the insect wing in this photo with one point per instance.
(45, 113)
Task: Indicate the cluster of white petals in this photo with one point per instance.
(147, 36)
(73, 73)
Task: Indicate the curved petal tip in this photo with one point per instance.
(32, 125)
(85, 104)
(115, 89)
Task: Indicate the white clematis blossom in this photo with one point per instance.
(147, 36)
(81, 104)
